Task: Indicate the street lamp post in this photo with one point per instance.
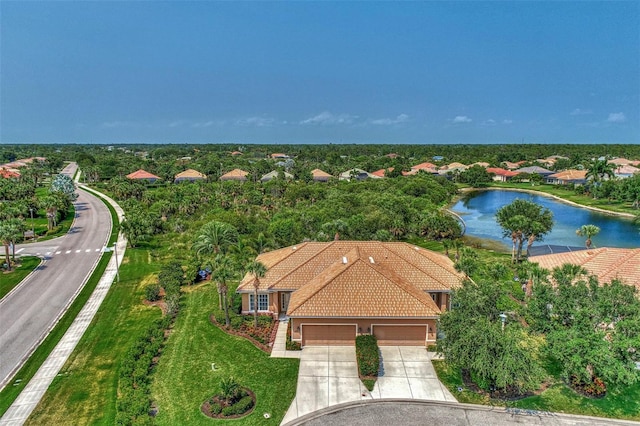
(503, 319)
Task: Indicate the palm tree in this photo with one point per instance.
(222, 274)
(588, 231)
(568, 273)
(6, 236)
(258, 270)
(215, 237)
(597, 170)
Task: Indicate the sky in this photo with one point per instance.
(433, 72)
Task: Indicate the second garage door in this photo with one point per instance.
(328, 334)
(408, 335)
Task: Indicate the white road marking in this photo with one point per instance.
(97, 249)
(58, 252)
(37, 254)
(67, 252)
(19, 250)
(48, 253)
(78, 251)
(87, 250)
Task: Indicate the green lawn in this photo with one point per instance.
(9, 280)
(85, 391)
(620, 402)
(184, 377)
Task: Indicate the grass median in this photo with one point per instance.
(10, 280)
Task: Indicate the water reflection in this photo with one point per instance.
(478, 210)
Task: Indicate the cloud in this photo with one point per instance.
(201, 124)
(327, 118)
(489, 122)
(114, 124)
(579, 111)
(256, 122)
(461, 119)
(402, 118)
(616, 117)
(507, 121)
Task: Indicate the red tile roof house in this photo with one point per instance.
(426, 167)
(8, 173)
(143, 175)
(334, 291)
(501, 175)
(566, 177)
(606, 263)
(320, 176)
(235, 174)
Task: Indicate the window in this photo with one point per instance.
(263, 302)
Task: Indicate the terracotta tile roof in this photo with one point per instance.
(480, 163)
(190, 174)
(424, 166)
(510, 165)
(392, 155)
(317, 173)
(142, 174)
(236, 153)
(293, 267)
(380, 173)
(570, 174)
(606, 263)
(501, 172)
(359, 288)
(235, 174)
(8, 173)
(620, 161)
(274, 174)
(535, 169)
(454, 165)
(627, 169)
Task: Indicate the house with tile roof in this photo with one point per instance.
(320, 176)
(501, 175)
(143, 175)
(8, 173)
(567, 177)
(512, 166)
(426, 167)
(334, 291)
(189, 175)
(235, 174)
(624, 162)
(356, 174)
(381, 173)
(626, 171)
(535, 170)
(607, 263)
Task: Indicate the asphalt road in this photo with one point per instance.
(29, 312)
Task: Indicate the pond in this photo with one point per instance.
(478, 209)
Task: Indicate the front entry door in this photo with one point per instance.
(284, 302)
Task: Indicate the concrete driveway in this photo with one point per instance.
(407, 373)
(328, 376)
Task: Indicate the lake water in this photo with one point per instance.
(478, 210)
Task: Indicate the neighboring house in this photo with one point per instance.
(501, 175)
(189, 175)
(426, 167)
(512, 166)
(437, 158)
(357, 174)
(320, 176)
(606, 263)
(625, 171)
(273, 175)
(454, 167)
(537, 170)
(480, 163)
(392, 155)
(143, 175)
(334, 291)
(8, 173)
(624, 162)
(380, 173)
(235, 153)
(567, 177)
(279, 156)
(235, 174)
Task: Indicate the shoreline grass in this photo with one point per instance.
(12, 279)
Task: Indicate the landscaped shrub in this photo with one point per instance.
(291, 345)
(152, 292)
(368, 355)
(215, 408)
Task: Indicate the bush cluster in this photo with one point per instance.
(291, 345)
(134, 387)
(244, 324)
(368, 355)
(171, 277)
(152, 292)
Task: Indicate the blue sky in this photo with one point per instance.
(319, 72)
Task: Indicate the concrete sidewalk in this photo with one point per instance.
(279, 349)
(30, 396)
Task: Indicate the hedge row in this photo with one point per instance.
(368, 355)
(134, 398)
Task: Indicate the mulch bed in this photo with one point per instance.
(206, 407)
(233, 332)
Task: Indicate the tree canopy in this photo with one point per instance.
(524, 220)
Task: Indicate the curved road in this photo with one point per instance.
(28, 313)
